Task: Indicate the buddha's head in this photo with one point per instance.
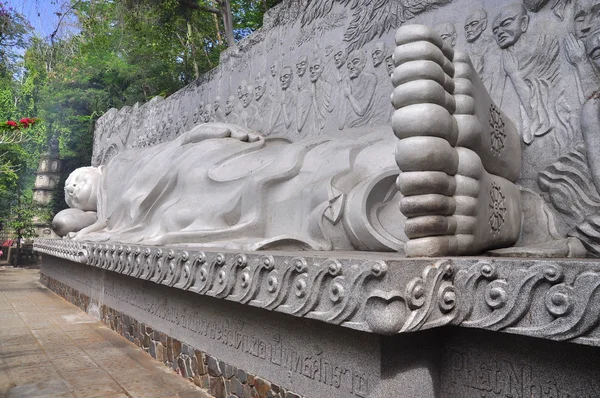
(475, 24)
(389, 63)
(301, 66)
(592, 47)
(378, 54)
(339, 58)
(510, 24)
(81, 188)
(586, 17)
(447, 32)
(229, 104)
(356, 63)
(315, 70)
(260, 86)
(286, 77)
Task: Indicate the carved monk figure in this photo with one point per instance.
(447, 32)
(262, 103)
(389, 63)
(383, 109)
(586, 18)
(483, 52)
(303, 99)
(230, 115)
(312, 117)
(283, 116)
(531, 65)
(359, 91)
(221, 185)
(339, 60)
(218, 110)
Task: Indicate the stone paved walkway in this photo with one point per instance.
(50, 348)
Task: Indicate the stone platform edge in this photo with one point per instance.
(379, 293)
(221, 380)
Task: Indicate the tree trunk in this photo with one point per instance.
(225, 6)
(193, 51)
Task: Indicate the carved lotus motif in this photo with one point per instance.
(385, 313)
(497, 133)
(497, 208)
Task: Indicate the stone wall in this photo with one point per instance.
(220, 379)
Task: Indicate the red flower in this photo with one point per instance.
(25, 122)
(12, 123)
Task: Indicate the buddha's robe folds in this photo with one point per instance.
(321, 193)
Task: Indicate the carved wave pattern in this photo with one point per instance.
(325, 290)
(539, 298)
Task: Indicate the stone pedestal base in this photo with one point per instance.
(239, 350)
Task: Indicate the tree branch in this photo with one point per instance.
(192, 4)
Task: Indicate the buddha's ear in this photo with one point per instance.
(524, 23)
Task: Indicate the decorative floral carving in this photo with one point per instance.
(497, 208)
(497, 133)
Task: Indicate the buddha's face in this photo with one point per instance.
(286, 77)
(339, 58)
(259, 89)
(315, 70)
(246, 97)
(447, 32)
(510, 24)
(301, 66)
(274, 69)
(586, 17)
(229, 105)
(81, 188)
(356, 64)
(475, 24)
(378, 54)
(592, 47)
(389, 63)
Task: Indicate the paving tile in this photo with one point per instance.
(33, 374)
(69, 364)
(98, 390)
(51, 348)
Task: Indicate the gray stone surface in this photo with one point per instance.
(373, 292)
(316, 67)
(454, 186)
(298, 354)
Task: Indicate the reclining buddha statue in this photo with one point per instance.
(440, 181)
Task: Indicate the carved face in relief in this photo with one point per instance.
(229, 104)
(378, 53)
(246, 97)
(241, 88)
(356, 63)
(217, 103)
(592, 47)
(586, 17)
(81, 188)
(339, 58)
(447, 32)
(259, 87)
(510, 24)
(475, 24)
(389, 63)
(274, 69)
(534, 5)
(286, 77)
(315, 70)
(301, 66)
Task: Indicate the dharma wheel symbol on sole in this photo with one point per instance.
(497, 208)
(497, 134)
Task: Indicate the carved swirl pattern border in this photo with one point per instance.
(537, 298)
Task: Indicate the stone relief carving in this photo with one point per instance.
(258, 193)
(531, 65)
(538, 298)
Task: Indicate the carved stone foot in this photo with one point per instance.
(452, 203)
